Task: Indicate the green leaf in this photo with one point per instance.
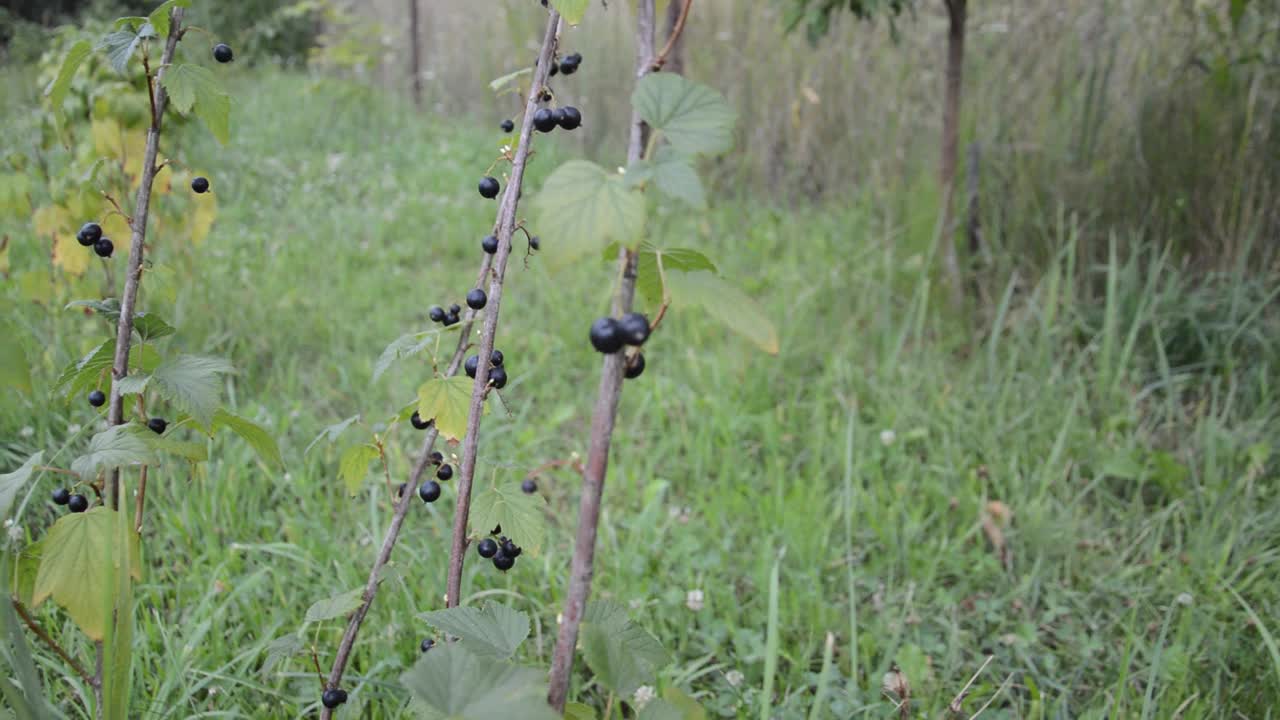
(340, 605)
(447, 401)
(332, 432)
(160, 16)
(94, 369)
(120, 46)
(661, 710)
(649, 280)
(585, 208)
(196, 88)
(56, 91)
(571, 10)
(195, 452)
(192, 383)
(497, 84)
(28, 567)
(453, 683)
(135, 384)
(695, 119)
(622, 654)
(519, 514)
(80, 554)
(578, 711)
(281, 649)
(257, 436)
(673, 175)
(114, 447)
(117, 665)
(725, 303)
(354, 466)
(495, 631)
(405, 346)
(22, 692)
(11, 483)
(689, 708)
(148, 326)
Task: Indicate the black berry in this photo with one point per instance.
(570, 117)
(544, 120)
(89, 234)
(157, 425)
(452, 319)
(437, 457)
(498, 376)
(487, 548)
(534, 243)
(97, 398)
(436, 313)
(77, 503)
(429, 491)
(61, 496)
(510, 549)
(416, 420)
(635, 328)
(222, 53)
(507, 126)
(635, 366)
(104, 247)
(529, 486)
(496, 358)
(333, 697)
(558, 115)
(503, 562)
(606, 335)
(400, 489)
(569, 65)
(445, 472)
(471, 365)
(555, 68)
(200, 185)
(476, 299)
(454, 309)
(489, 188)
(427, 644)
(489, 244)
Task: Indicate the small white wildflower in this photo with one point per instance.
(643, 696)
(27, 431)
(693, 600)
(1185, 599)
(559, 618)
(887, 437)
(734, 678)
(73, 428)
(15, 531)
(288, 477)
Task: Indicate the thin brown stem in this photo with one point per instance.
(602, 422)
(140, 501)
(673, 38)
(53, 645)
(506, 226)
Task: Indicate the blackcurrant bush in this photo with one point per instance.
(222, 53)
(157, 425)
(416, 420)
(200, 185)
(606, 335)
(89, 234)
(635, 366)
(545, 120)
(498, 377)
(104, 247)
(635, 328)
(529, 486)
(436, 313)
(489, 188)
(503, 562)
(77, 503)
(429, 491)
(471, 365)
(61, 496)
(437, 457)
(97, 398)
(496, 358)
(487, 548)
(489, 244)
(427, 644)
(445, 472)
(333, 697)
(507, 126)
(476, 299)
(570, 117)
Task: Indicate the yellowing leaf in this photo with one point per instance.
(69, 255)
(447, 402)
(50, 220)
(77, 558)
(105, 133)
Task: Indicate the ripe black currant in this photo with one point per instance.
(77, 503)
(635, 366)
(436, 457)
(416, 420)
(507, 126)
(534, 243)
(503, 562)
(104, 247)
(558, 115)
(427, 644)
(635, 328)
(451, 319)
(555, 68)
(445, 472)
(570, 117)
(529, 486)
(510, 549)
(454, 309)
(61, 496)
(489, 188)
(200, 185)
(487, 548)
(436, 313)
(545, 120)
(569, 65)
(606, 335)
(429, 491)
(496, 358)
(333, 697)
(476, 299)
(222, 53)
(157, 425)
(489, 244)
(89, 234)
(471, 365)
(498, 377)
(97, 398)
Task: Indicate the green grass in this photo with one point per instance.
(1124, 415)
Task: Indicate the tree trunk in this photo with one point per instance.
(675, 58)
(415, 54)
(957, 12)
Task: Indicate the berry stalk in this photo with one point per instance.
(138, 225)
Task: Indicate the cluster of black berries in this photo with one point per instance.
(609, 335)
(90, 235)
(429, 491)
(450, 317)
(75, 503)
(546, 119)
(497, 372)
(502, 551)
